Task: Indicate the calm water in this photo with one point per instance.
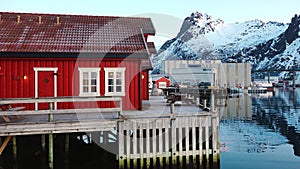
(262, 131)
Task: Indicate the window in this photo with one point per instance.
(114, 81)
(89, 82)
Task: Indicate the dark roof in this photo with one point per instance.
(40, 33)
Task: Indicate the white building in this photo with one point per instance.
(220, 74)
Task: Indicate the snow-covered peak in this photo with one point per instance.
(204, 22)
(255, 41)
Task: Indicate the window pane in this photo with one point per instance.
(94, 75)
(110, 89)
(93, 81)
(93, 89)
(118, 81)
(85, 75)
(119, 75)
(119, 89)
(85, 82)
(85, 89)
(110, 81)
(111, 75)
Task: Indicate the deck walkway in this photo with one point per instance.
(85, 120)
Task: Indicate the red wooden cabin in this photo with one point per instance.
(50, 55)
(162, 82)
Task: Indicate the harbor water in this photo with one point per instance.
(255, 132)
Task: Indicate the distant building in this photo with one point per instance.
(214, 71)
(161, 82)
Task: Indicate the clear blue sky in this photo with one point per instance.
(228, 10)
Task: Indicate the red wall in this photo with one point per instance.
(145, 85)
(12, 84)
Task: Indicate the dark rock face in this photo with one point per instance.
(256, 55)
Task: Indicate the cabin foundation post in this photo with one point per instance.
(43, 152)
(67, 148)
(50, 143)
(15, 155)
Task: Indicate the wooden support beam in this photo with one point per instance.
(4, 144)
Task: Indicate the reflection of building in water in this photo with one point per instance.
(237, 108)
(226, 74)
(188, 142)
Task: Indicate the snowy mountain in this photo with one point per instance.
(264, 45)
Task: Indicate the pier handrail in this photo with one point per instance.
(5, 101)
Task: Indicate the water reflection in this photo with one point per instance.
(261, 126)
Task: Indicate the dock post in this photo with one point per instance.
(212, 102)
(15, 155)
(50, 144)
(172, 108)
(67, 148)
(43, 152)
(204, 104)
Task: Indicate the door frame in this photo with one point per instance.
(36, 82)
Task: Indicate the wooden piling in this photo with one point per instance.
(187, 141)
(200, 142)
(50, 142)
(154, 143)
(160, 144)
(14, 149)
(148, 145)
(141, 141)
(167, 146)
(207, 140)
(134, 142)
(180, 144)
(50, 152)
(194, 141)
(173, 144)
(128, 144)
(43, 152)
(121, 146)
(67, 151)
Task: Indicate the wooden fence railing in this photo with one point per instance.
(43, 121)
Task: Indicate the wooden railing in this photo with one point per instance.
(24, 122)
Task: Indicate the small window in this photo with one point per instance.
(114, 81)
(89, 82)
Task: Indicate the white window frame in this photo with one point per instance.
(115, 70)
(89, 70)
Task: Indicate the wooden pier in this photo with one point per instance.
(156, 137)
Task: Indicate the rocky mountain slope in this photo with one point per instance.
(264, 45)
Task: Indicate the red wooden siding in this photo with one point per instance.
(145, 85)
(12, 84)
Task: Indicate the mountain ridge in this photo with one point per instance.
(263, 44)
